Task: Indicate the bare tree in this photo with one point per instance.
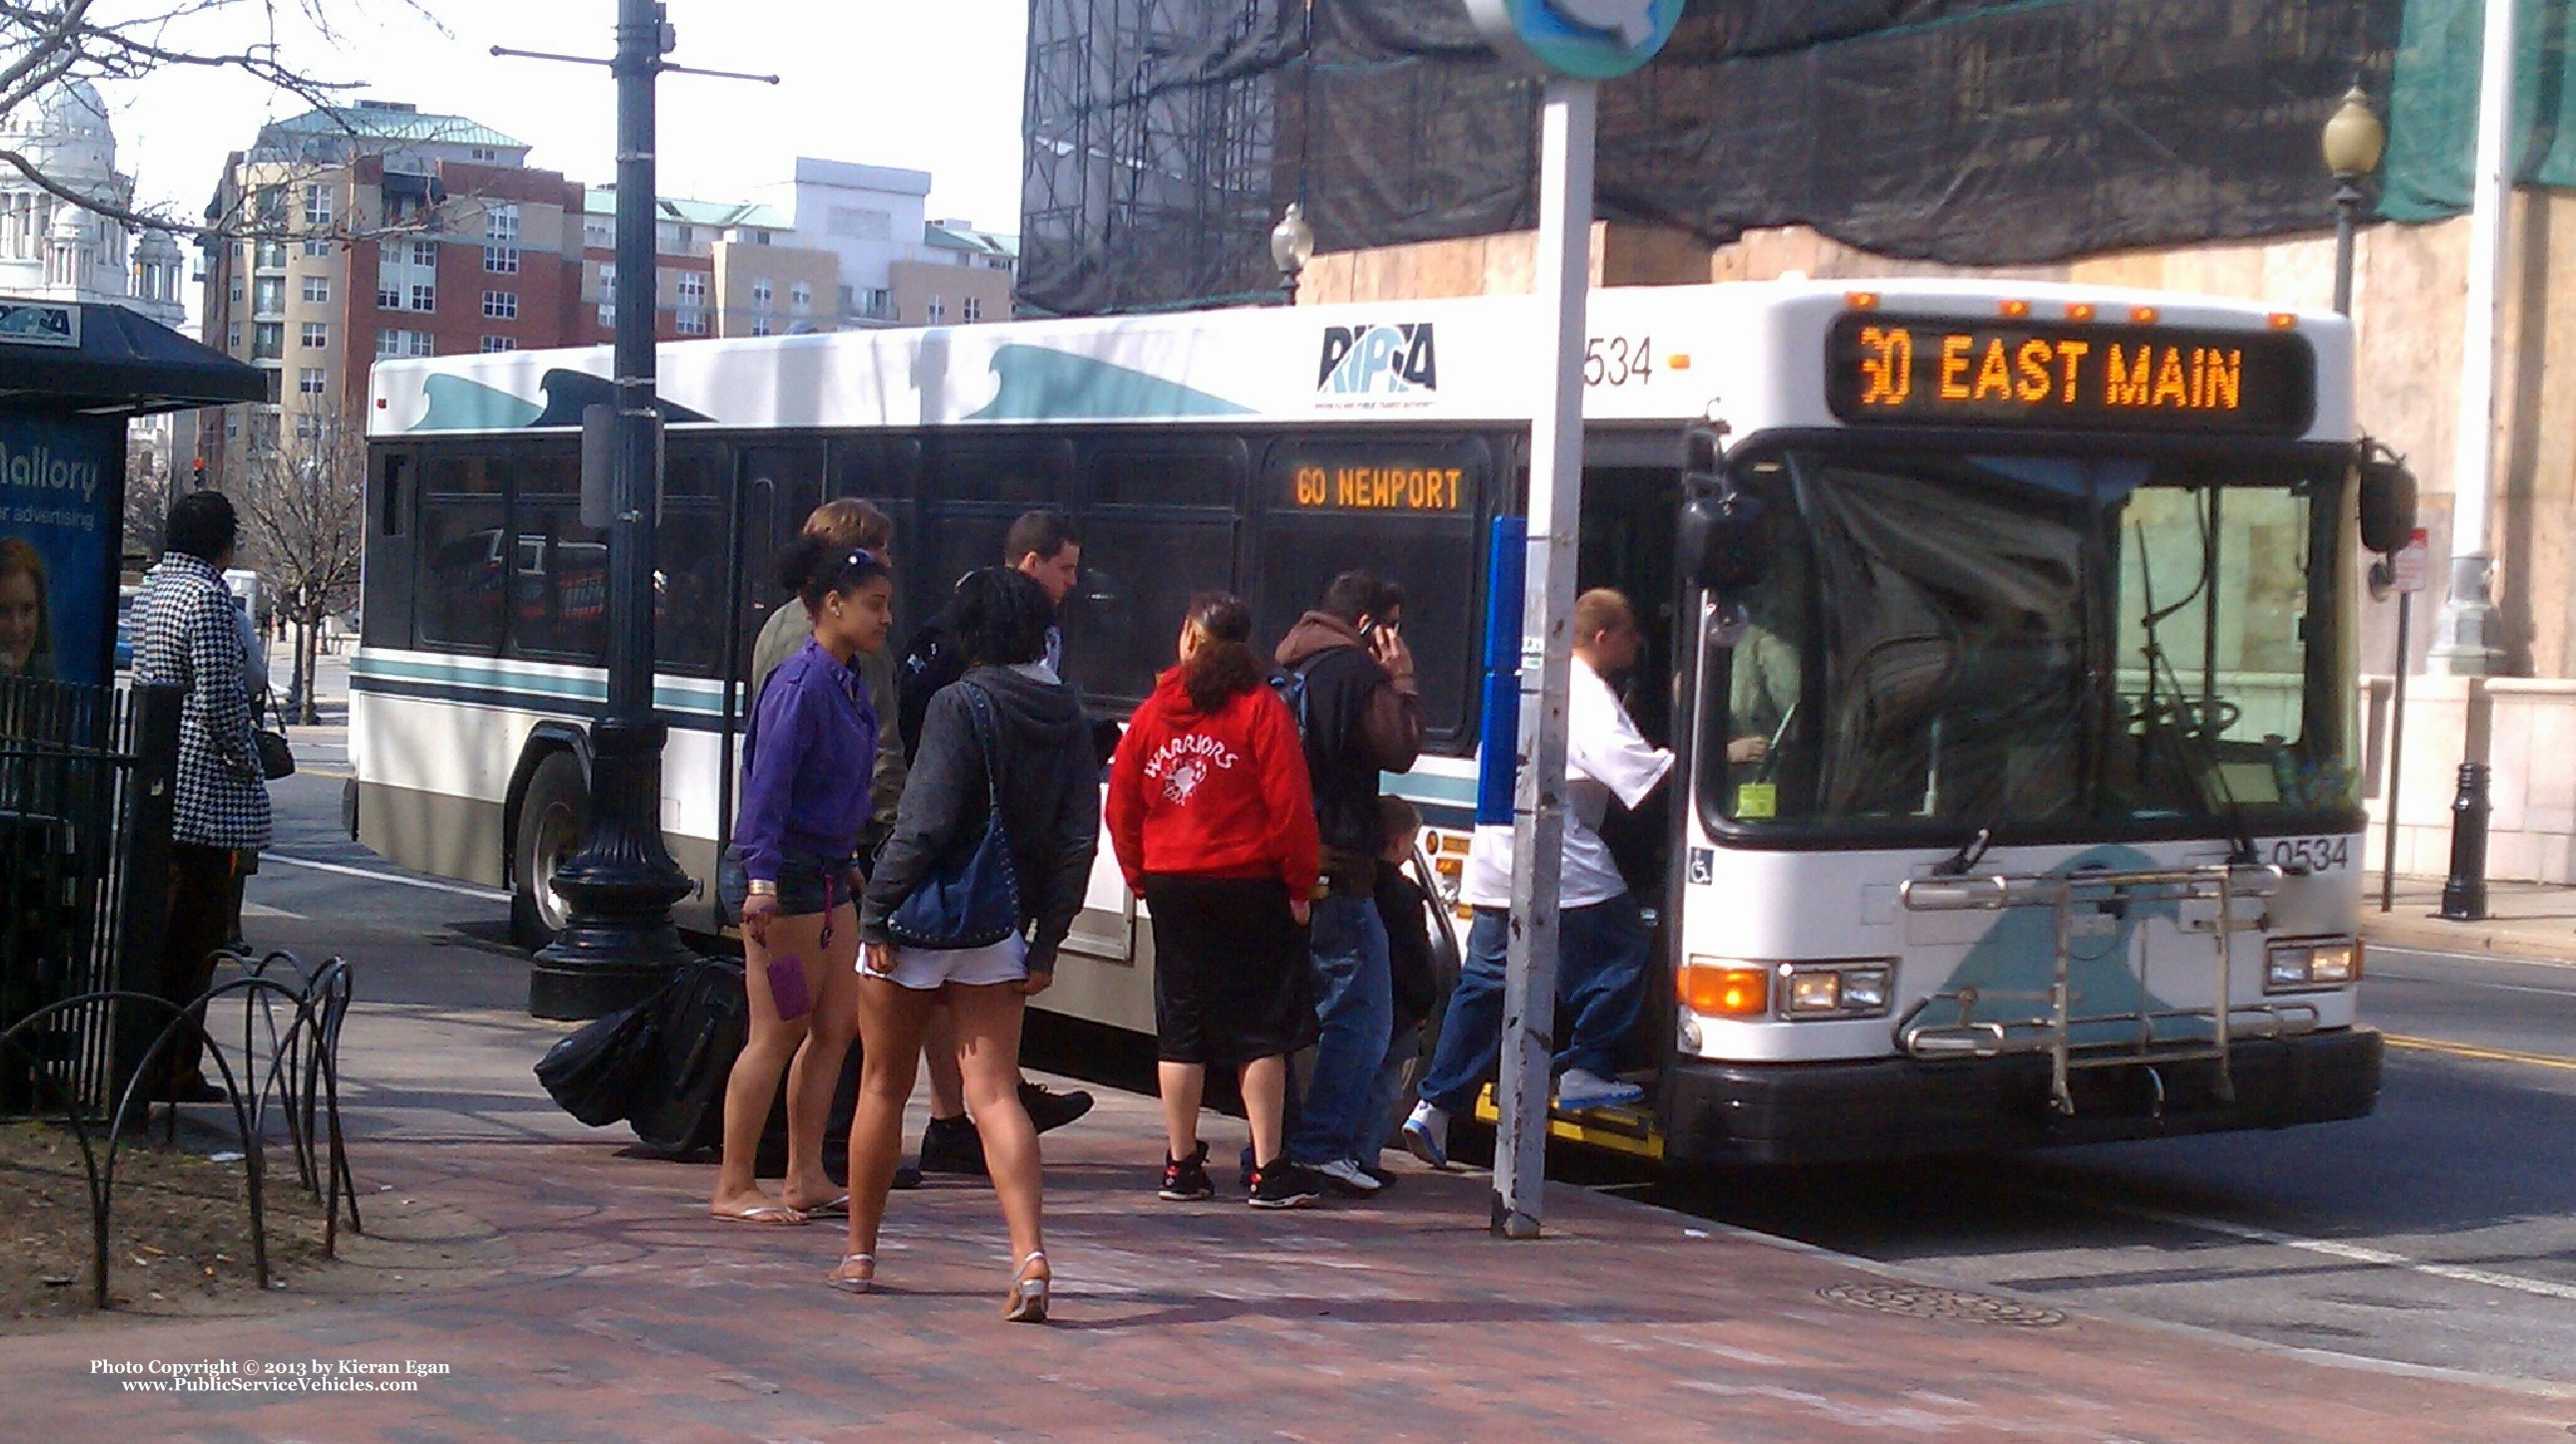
(48, 43)
(147, 502)
(303, 506)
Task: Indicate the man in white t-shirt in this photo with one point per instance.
(1602, 942)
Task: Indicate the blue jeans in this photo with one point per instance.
(1401, 1049)
(1600, 987)
(1355, 1004)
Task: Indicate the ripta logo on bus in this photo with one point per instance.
(1370, 363)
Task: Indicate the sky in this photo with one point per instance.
(932, 85)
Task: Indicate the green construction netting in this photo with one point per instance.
(2433, 105)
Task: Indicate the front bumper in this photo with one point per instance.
(1769, 1113)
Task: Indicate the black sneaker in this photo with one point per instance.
(1049, 1110)
(906, 1176)
(1185, 1180)
(951, 1145)
(1245, 1175)
(1285, 1183)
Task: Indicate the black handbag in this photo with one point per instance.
(276, 758)
(595, 1072)
(970, 898)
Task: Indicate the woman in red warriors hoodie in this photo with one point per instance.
(1214, 825)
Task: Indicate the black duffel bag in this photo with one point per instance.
(595, 1073)
(701, 1023)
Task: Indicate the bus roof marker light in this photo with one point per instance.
(2284, 320)
(2014, 310)
(2079, 311)
(1861, 300)
(2145, 315)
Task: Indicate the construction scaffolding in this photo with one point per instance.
(1164, 136)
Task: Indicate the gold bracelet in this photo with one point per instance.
(761, 887)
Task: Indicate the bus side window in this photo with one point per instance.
(391, 495)
(1158, 525)
(689, 566)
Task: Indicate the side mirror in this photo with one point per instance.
(1719, 543)
(2387, 498)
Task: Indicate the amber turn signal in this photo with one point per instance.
(1725, 990)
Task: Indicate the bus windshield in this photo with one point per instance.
(2051, 647)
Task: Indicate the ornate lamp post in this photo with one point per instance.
(2354, 139)
(1292, 244)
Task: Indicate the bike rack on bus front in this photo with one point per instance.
(2220, 884)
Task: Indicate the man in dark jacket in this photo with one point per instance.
(1363, 717)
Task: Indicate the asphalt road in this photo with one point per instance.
(2441, 1231)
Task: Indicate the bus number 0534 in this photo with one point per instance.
(2312, 854)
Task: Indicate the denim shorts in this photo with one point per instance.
(807, 886)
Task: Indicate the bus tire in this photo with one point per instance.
(554, 814)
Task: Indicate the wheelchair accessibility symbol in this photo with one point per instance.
(1703, 866)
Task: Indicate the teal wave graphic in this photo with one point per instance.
(456, 404)
(1042, 385)
(2017, 959)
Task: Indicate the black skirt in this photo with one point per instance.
(1231, 973)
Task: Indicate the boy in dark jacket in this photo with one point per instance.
(1413, 983)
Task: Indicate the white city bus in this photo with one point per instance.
(2006, 648)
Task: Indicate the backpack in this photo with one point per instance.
(1290, 684)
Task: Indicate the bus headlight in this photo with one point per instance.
(1838, 990)
(2297, 964)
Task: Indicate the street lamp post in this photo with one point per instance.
(1292, 244)
(619, 942)
(2353, 142)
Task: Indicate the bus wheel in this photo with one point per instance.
(552, 818)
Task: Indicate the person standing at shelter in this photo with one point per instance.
(1041, 546)
(1214, 826)
(187, 635)
(1005, 744)
(789, 876)
(1347, 663)
(1602, 941)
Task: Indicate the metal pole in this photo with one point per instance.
(2396, 754)
(2464, 638)
(1563, 275)
(619, 943)
(2464, 893)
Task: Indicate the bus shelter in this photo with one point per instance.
(86, 767)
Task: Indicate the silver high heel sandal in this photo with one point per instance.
(853, 1283)
(1027, 1303)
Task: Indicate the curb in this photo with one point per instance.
(2540, 942)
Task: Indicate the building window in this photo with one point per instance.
(598, 232)
(800, 298)
(499, 343)
(232, 337)
(317, 335)
(691, 323)
(268, 295)
(267, 341)
(501, 305)
(501, 260)
(403, 343)
(237, 290)
(309, 381)
(761, 294)
(760, 325)
(314, 250)
(269, 255)
(317, 289)
(308, 427)
(692, 290)
(501, 223)
(608, 313)
(423, 298)
(425, 253)
(317, 205)
(970, 308)
(483, 153)
(938, 310)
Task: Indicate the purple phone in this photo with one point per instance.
(787, 989)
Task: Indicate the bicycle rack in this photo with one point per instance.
(2157, 1039)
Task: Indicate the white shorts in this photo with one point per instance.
(925, 969)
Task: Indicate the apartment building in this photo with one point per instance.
(960, 275)
(722, 269)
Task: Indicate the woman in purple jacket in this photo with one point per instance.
(790, 876)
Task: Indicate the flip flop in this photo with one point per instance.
(775, 1213)
(832, 1208)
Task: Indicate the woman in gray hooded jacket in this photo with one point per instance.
(1045, 775)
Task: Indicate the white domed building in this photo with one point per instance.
(55, 251)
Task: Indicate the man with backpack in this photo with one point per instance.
(1040, 545)
(1348, 679)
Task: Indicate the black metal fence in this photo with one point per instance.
(86, 782)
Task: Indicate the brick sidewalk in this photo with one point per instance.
(2524, 920)
(591, 1300)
